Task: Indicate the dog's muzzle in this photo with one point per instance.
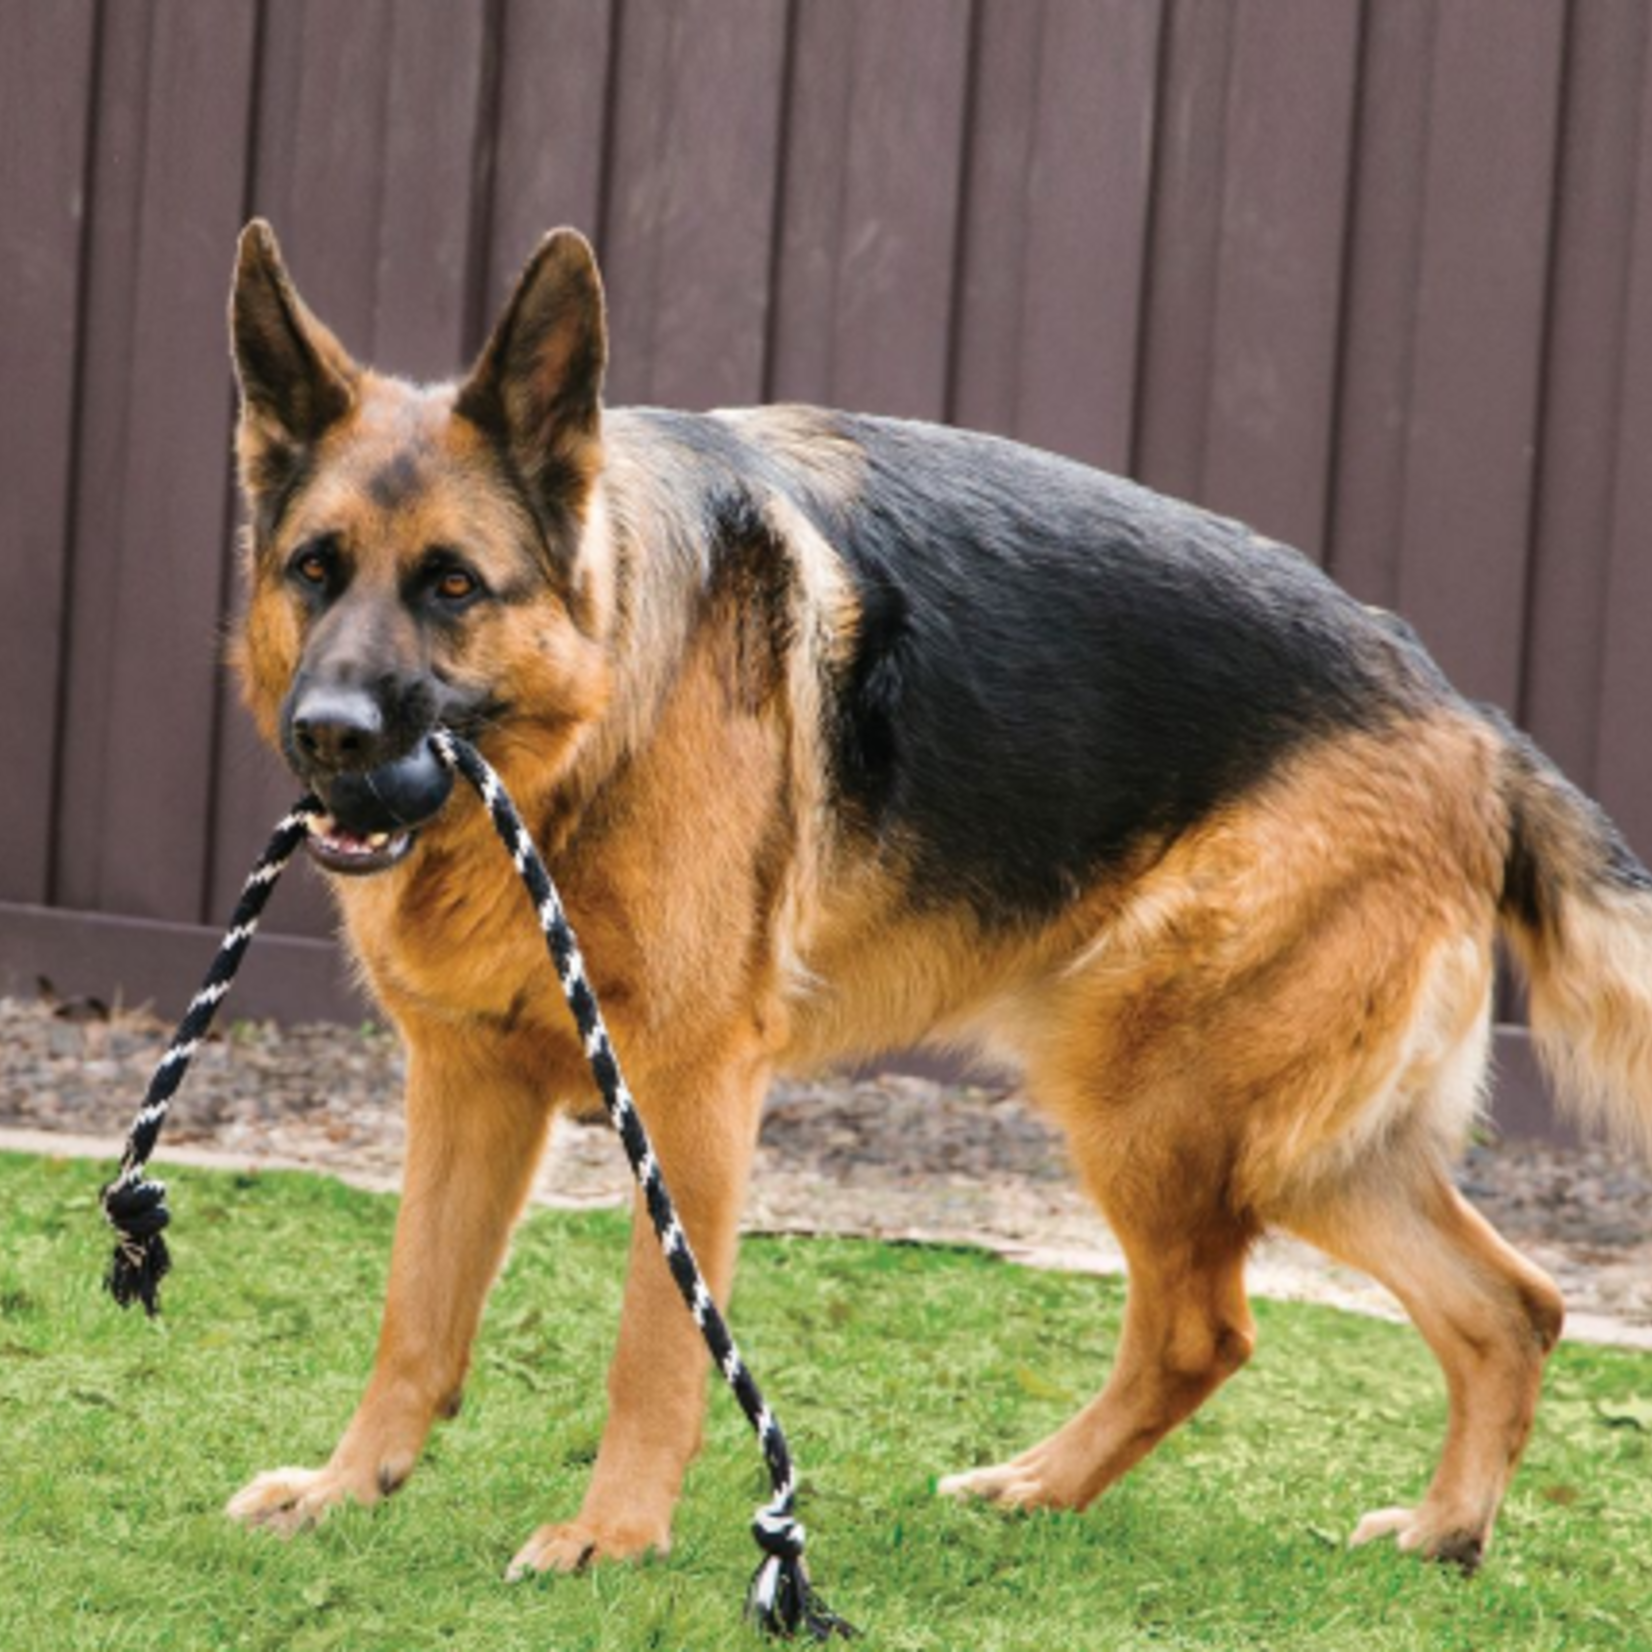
(373, 815)
(376, 791)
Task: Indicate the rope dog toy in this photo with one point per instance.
(781, 1600)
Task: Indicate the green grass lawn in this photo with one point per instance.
(121, 1439)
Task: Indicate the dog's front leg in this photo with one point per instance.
(704, 1131)
(474, 1136)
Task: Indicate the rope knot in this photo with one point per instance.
(136, 1210)
(779, 1532)
(138, 1214)
(782, 1601)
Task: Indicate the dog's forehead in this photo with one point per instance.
(399, 441)
(400, 473)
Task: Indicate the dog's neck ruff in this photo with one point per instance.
(781, 1600)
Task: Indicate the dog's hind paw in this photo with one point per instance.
(577, 1544)
(289, 1500)
(1416, 1532)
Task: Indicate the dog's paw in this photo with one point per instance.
(1424, 1534)
(1021, 1484)
(579, 1543)
(289, 1500)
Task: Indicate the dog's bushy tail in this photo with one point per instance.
(1577, 911)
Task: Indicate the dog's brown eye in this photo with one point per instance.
(312, 568)
(456, 584)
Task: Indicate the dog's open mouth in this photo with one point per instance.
(341, 851)
(374, 817)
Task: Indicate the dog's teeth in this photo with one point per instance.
(377, 840)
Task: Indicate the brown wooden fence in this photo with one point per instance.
(1376, 276)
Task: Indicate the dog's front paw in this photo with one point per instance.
(289, 1500)
(1027, 1482)
(575, 1545)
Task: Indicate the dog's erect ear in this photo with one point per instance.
(537, 385)
(296, 379)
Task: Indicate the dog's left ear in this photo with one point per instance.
(537, 385)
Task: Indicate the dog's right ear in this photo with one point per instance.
(295, 378)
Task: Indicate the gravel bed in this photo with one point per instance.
(894, 1155)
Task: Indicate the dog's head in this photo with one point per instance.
(418, 556)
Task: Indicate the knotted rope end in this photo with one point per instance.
(136, 1208)
(138, 1214)
(781, 1602)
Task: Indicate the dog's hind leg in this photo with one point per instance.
(1187, 1328)
(702, 1123)
(1490, 1317)
(474, 1136)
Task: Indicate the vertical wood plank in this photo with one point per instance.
(868, 246)
(1482, 285)
(1572, 547)
(1001, 144)
(553, 85)
(811, 204)
(1380, 301)
(149, 549)
(1623, 773)
(690, 206)
(1179, 313)
(99, 470)
(428, 149)
(323, 97)
(1060, 155)
(42, 216)
(1274, 343)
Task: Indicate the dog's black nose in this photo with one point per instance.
(338, 728)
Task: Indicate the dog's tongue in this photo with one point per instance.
(400, 795)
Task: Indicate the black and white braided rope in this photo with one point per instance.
(135, 1206)
(781, 1600)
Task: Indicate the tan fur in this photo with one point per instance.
(1591, 1006)
(1580, 922)
(1278, 1019)
(807, 439)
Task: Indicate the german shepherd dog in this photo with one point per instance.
(843, 734)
